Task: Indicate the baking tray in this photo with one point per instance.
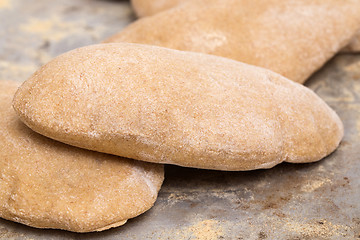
(290, 201)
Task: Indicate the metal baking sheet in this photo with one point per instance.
(290, 201)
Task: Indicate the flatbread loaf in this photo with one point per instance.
(47, 184)
(294, 38)
(167, 106)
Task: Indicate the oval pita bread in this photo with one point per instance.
(167, 106)
(293, 38)
(47, 184)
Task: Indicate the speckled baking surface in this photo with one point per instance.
(307, 201)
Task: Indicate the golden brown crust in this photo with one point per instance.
(293, 38)
(167, 106)
(47, 184)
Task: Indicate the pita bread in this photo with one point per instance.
(167, 106)
(293, 38)
(47, 184)
(144, 8)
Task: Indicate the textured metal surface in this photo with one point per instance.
(307, 201)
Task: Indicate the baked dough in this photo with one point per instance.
(294, 38)
(167, 106)
(47, 184)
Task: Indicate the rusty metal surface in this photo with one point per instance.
(306, 201)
